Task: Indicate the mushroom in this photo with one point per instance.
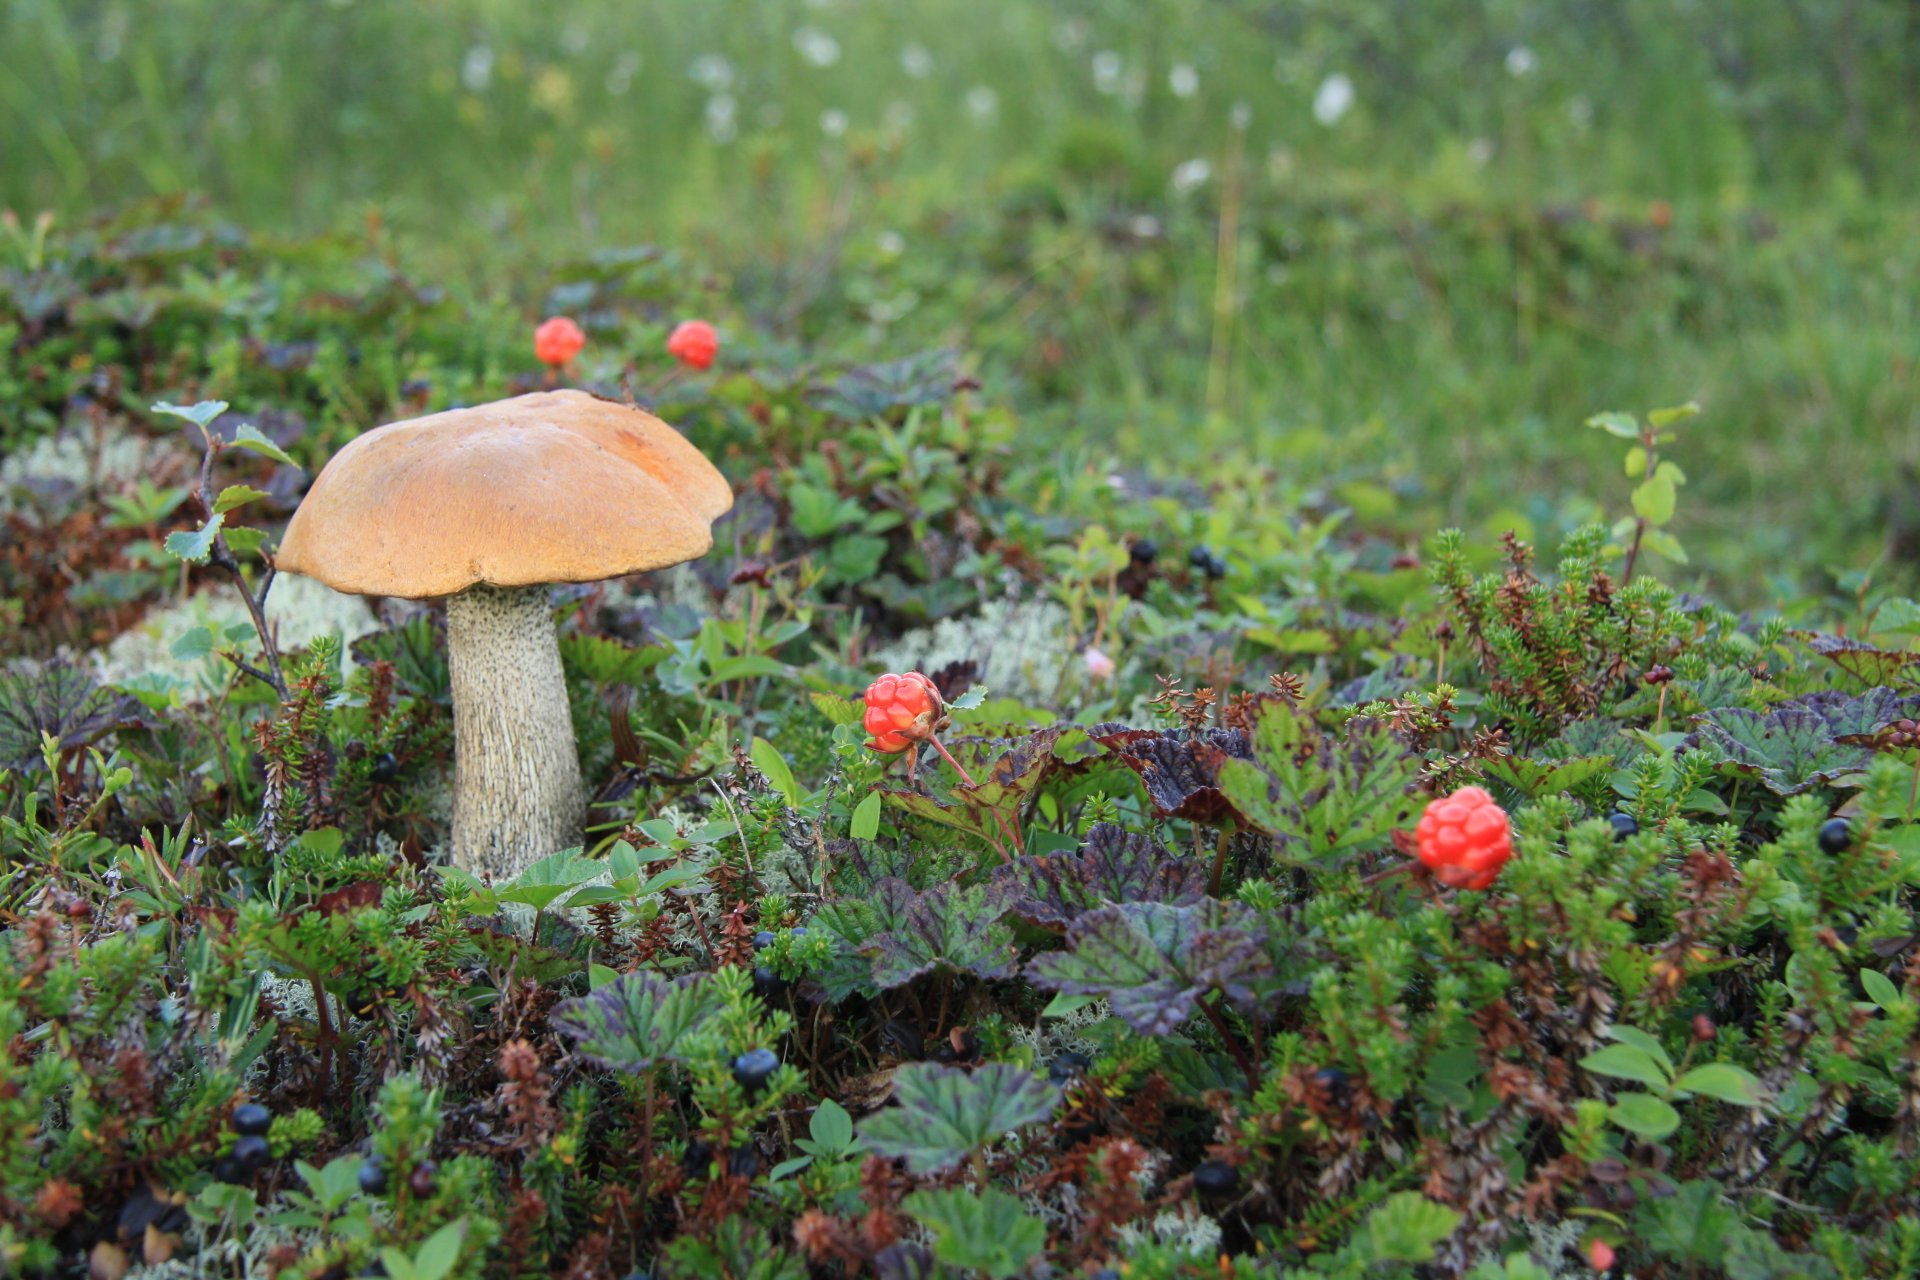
(487, 506)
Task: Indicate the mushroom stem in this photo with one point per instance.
(516, 774)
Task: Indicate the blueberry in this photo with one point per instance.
(385, 769)
(763, 939)
(1216, 1178)
(1144, 551)
(251, 1118)
(373, 1177)
(699, 1155)
(229, 1170)
(744, 1162)
(1065, 1066)
(798, 931)
(252, 1152)
(754, 1068)
(767, 984)
(1332, 1079)
(1624, 825)
(1835, 835)
(1200, 558)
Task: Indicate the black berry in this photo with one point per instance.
(1624, 825)
(1332, 1079)
(421, 1180)
(385, 769)
(251, 1117)
(227, 1169)
(1835, 835)
(252, 1152)
(1216, 1178)
(798, 931)
(966, 1045)
(1065, 1066)
(762, 940)
(373, 1177)
(1144, 551)
(754, 1068)
(767, 984)
(743, 1163)
(698, 1156)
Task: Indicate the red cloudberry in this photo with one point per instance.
(694, 344)
(902, 711)
(557, 341)
(1465, 839)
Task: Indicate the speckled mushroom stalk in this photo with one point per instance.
(516, 778)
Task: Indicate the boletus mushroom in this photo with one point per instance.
(489, 506)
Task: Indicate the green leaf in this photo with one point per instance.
(1408, 1227)
(1063, 1005)
(837, 709)
(599, 975)
(946, 1114)
(866, 817)
(1616, 424)
(1627, 1063)
(767, 759)
(235, 495)
(1642, 1041)
(831, 1126)
(1663, 418)
(543, 882)
(244, 541)
(1644, 1114)
(201, 414)
(195, 644)
(1880, 989)
(249, 437)
(1724, 1081)
(639, 1019)
(1654, 499)
(195, 547)
(1155, 962)
(1636, 465)
(985, 1230)
(1662, 543)
(967, 701)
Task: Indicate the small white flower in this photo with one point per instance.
(1144, 226)
(817, 47)
(1480, 150)
(916, 61)
(1099, 665)
(711, 71)
(1183, 80)
(620, 75)
(1106, 71)
(1333, 99)
(722, 123)
(982, 103)
(1520, 61)
(833, 122)
(1190, 175)
(476, 70)
(890, 243)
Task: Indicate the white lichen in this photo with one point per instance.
(1024, 647)
(105, 454)
(298, 609)
(1185, 1229)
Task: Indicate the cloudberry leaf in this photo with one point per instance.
(1180, 770)
(947, 927)
(638, 1019)
(987, 1230)
(945, 1114)
(1795, 746)
(1114, 865)
(1154, 961)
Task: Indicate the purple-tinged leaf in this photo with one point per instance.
(1180, 770)
(950, 928)
(1796, 745)
(638, 1019)
(1154, 962)
(1114, 865)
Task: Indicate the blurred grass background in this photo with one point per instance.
(1424, 238)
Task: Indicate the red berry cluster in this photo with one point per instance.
(557, 341)
(901, 711)
(1465, 839)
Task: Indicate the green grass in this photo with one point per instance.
(1448, 278)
